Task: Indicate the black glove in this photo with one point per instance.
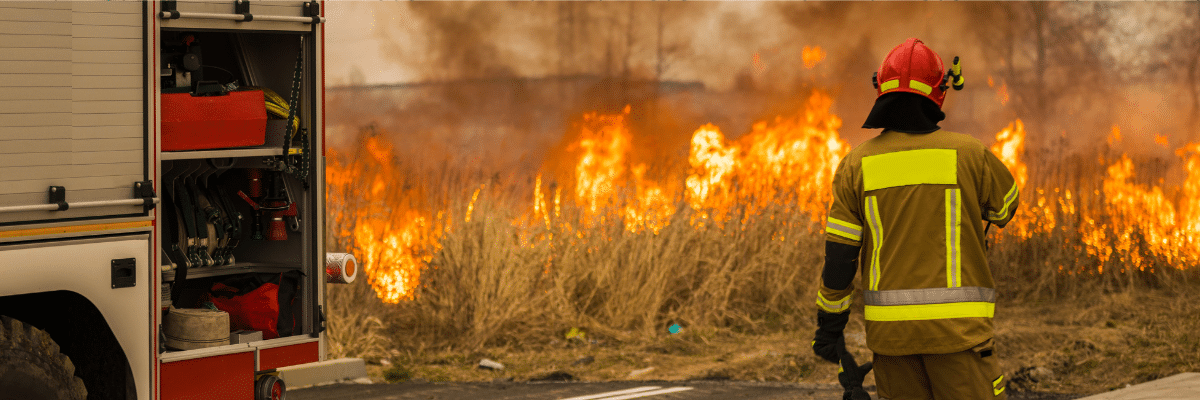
(851, 375)
(828, 338)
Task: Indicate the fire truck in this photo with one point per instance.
(162, 199)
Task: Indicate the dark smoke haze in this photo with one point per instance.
(498, 84)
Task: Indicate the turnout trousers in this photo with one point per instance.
(972, 374)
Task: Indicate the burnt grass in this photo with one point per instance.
(1058, 350)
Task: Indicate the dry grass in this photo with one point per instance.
(496, 283)
(500, 287)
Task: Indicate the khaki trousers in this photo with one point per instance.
(972, 374)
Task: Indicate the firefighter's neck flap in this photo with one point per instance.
(904, 112)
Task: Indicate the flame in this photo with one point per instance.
(1010, 148)
(1001, 92)
(788, 161)
(812, 55)
(385, 228)
(1121, 224)
(604, 143)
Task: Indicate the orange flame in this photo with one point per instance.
(812, 56)
(1134, 226)
(383, 226)
(788, 161)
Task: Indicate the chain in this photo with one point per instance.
(297, 165)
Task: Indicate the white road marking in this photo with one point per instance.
(615, 393)
(647, 394)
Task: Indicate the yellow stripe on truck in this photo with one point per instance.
(912, 167)
(59, 230)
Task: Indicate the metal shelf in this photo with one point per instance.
(239, 268)
(224, 153)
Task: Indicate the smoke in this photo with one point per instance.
(499, 85)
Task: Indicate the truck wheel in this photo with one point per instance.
(31, 366)
(269, 387)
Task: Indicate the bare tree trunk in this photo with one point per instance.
(1194, 79)
(628, 43)
(658, 46)
(1039, 28)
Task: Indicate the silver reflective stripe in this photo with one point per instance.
(909, 297)
(876, 240)
(953, 238)
(1008, 199)
(848, 230)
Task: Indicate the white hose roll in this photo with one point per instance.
(340, 268)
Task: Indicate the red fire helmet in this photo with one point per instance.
(912, 67)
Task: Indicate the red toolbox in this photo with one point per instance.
(236, 119)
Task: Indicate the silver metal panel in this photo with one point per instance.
(43, 119)
(28, 54)
(33, 12)
(105, 31)
(107, 19)
(83, 157)
(107, 119)
(35, 93)
(74, 184)
(107, 144)
(105, 56)
(107, 107)
(110, 7)
(74, 171)
(35, 27)
(26, 106)
(89, 43)
(35, 67)
(106, 94)
(34, 132)
(62, 41)
(34, 80)
(105, 82)
(109, 132)
(71, 91)
(89, 69)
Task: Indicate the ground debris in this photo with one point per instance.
(489, 364)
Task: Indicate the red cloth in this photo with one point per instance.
(257, 310)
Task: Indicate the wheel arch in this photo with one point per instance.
(82, 334)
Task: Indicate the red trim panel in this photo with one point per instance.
(230, 376)
(287, 356)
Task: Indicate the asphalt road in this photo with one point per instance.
(704, 390)
(654, 390)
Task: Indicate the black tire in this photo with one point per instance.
(270, 387)
(31, 366)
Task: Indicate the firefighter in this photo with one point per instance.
(909, 208)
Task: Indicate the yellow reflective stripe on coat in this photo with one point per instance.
(832, 306)
(930, 311)
(996, 388)
(912, 167)
(872, 206)
(844, 229)
(920, 86)
(889, 85)
(953, 238)
(1008, 201)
